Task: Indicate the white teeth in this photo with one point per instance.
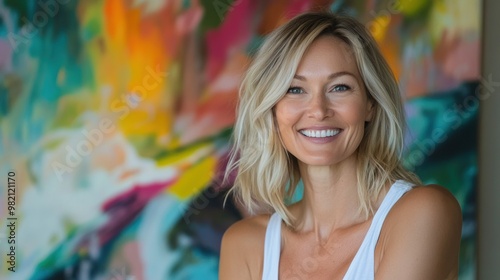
(320, 133)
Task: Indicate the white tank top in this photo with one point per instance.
(362, 266)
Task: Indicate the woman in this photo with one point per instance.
(319, 103)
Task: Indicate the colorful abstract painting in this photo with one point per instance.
(116, 116)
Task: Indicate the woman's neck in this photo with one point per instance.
(330, 199)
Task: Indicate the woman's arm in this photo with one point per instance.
(421, 236)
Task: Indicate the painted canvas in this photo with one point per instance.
(116, 116)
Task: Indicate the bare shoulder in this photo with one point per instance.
(248, 232)
(421, 234)
(432, 205)
(242, 249)
(432, 202)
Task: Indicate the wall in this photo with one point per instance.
(489, 159)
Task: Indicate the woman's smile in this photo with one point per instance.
(311, 133)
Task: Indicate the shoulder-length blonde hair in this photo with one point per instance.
(266, 173)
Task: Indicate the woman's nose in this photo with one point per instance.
(319, 107)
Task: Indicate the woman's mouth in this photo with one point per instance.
(320, 133)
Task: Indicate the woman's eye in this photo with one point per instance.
(294, 90)
(341, 88)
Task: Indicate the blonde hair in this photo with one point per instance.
(266, 173)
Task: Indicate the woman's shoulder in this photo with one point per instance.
(425, 223)
(431, 204)
(242, 248)
(428, 200)
(251, 229)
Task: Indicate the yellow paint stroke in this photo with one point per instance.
(184, 156)
(194, 178)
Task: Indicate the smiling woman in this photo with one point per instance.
(320, 104)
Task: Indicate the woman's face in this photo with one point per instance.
(322, 116)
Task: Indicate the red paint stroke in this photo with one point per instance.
(123, 209)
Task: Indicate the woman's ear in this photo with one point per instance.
(370, 109)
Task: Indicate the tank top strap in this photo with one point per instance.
(272, 248)
(362, 266)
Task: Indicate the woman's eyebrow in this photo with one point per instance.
(330, 77)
